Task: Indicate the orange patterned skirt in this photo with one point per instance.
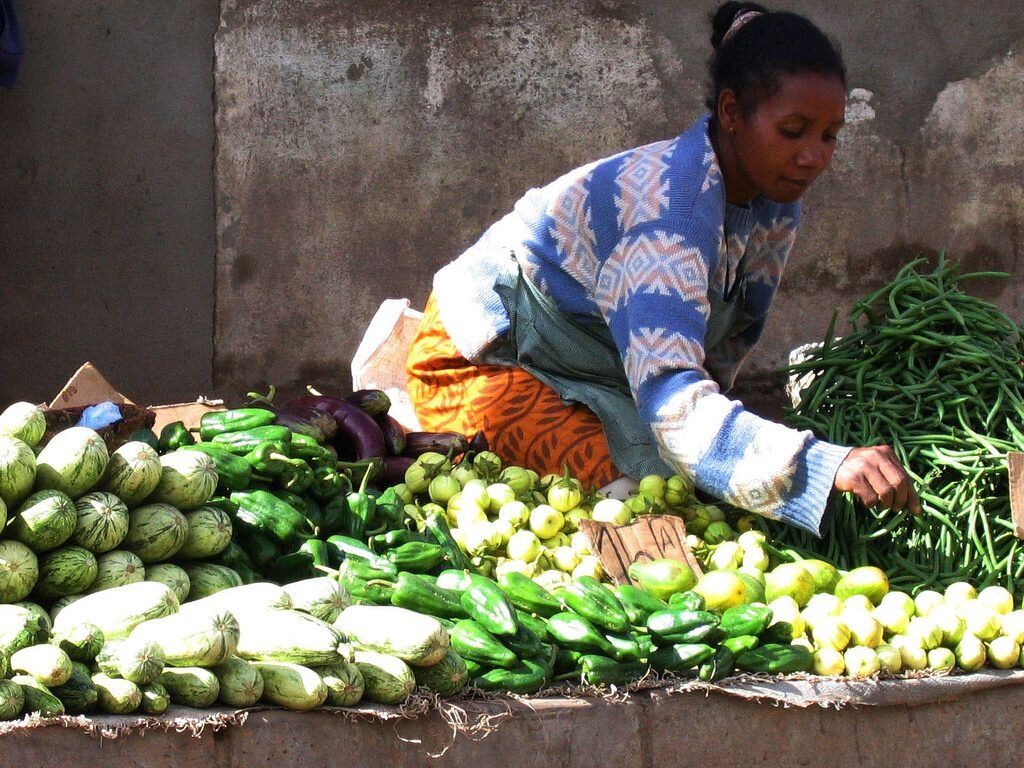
(525, 421)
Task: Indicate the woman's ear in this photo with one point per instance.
(728, 111)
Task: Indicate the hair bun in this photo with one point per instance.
(723, 19)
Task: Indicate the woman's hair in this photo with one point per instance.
(755, 47)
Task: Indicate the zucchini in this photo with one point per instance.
(190, 686)
(81, 642)
(199, 638)
(290, 685)
(344, 684)
(288, 635)
(448, 677)
(139, 660)
(241, 684)
(386, 679)
(18, 628)
(155, 699)
(46, 663)
(38, 697)
(78, 695)
(12, 699)
(321, 596)
(257, 596)
(413, 637)
(118, 610)
(116, 695)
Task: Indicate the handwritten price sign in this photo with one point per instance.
(649, 538)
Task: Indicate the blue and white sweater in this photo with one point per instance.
(641, 239)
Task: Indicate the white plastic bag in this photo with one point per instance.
(379, 361)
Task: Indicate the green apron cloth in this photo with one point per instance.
(578, 359)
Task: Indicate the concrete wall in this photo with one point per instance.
(359, 146)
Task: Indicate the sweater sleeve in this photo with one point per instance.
(653, 292)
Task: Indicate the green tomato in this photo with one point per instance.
(464, 472)
(417, 478)
(442, 488)
(564, 494)
(652, 486)
(519, 479)
(487, 464)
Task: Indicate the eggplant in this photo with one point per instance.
(358, 436)
(478, 443)
(417, 443)
(374, 401)
(392, 472)
(394, 434)
(314, 422)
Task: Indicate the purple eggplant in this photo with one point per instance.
(417, 443)
(358, 437)
(374, 401)
(392, 472)
(315, 422)
(394, 434)
(478, 443)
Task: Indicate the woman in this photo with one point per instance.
(599, 322)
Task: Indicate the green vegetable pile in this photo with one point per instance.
(937, 374)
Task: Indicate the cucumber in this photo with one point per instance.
(320, 596)
(19, 571)
(155, 532)
(209, 533)
(291, 685)
(241, 684)
(288, 635)
(173, 576)
(188, 480)
(202, 638)
(46, 663)
(81, 642)
(448, 677)
(115, 695)
(118, 610)
(206, 579)
(18, 628)
(38, 698)
(17, 470)
(44, 521)
(155, 699)
(12, 700)
(78, 695)
(386, 679)
(64, 571)
(101, 521)
(133, 472)
(190, 686)
(116, 569)
(416, 638)
(138, 659)
(344, 684)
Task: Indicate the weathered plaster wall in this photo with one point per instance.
(204, 209)
(362, 146)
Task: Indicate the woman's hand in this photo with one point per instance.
(876, 477)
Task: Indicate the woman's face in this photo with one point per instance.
(788, 141)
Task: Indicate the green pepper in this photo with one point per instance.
(316, 549)
(472, 641)
(314, 514)
(363, 591)
(334, 519)
(719, 666)
(567, 662)
(776, 659)
(366, 570)
(292, 499)
(346, 548)
(381, 542)
(234, 420)
(233, 472)
(538, 626)
(173, 436)
(362, 508)
(264, 511)
(436, 524)
(233, 556)
(475, 668)
(454, 578)
(390, 507)
(741, 643)
(147, 436)
(415, 556)
(523, 592)
(484, 600)
(693, 601)
(242, 442)
(590, 598)
(638, 603)
(602, 671)
(293, 566)
(525, 643)
(662, 577)
(261, 549)
(328, 482)
(626, 645)
(307, 448)
(528, 676)
(744, 620)
(570, 630)
(680, 657)
(421, 595)
(267, 459)
(679, 625)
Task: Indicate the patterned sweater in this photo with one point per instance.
(641, 239)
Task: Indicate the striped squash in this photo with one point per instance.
(132, 472)
(17, 470)
(73, 461)
(44, 521)
(117, 568)
(65, 571)
(188, 479)
(102, 521)
(155, 532)
(209, 533)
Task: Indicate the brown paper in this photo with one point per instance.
(649, 537)
(1015, 461)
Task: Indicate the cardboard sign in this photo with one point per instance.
(650, 537)
(1015, 461)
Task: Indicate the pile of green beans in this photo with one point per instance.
(937, 374)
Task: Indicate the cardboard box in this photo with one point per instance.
(88, 386)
